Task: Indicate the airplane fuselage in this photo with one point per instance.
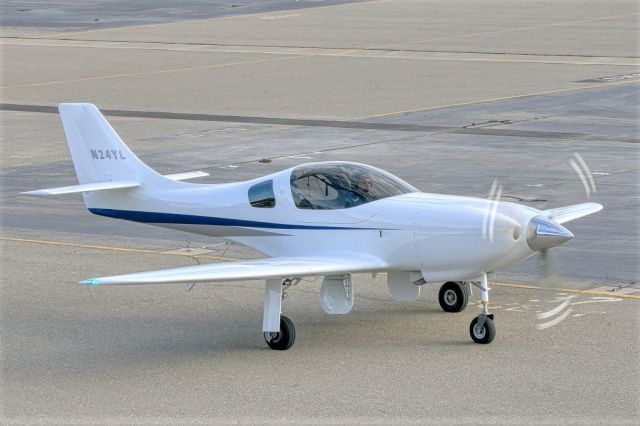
(445, 237)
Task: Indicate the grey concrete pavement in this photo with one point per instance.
(160, 355)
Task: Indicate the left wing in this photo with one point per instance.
(277, 267)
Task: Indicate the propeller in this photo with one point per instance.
(542, 232)
(547, 265)
(546, 258)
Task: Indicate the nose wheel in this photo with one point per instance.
(482, 329)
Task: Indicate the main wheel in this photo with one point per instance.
(282, 340)
(453, 297)
(483, 335)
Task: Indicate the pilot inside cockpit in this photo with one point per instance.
(360, 190)
(338, 185)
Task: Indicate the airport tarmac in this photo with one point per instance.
(448, 96)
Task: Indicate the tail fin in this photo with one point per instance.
(98, 153)
(102, 161)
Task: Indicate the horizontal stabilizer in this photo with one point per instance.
(335, 264)
(187, 175)
(567, 214)
(87, 187)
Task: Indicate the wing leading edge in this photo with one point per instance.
(278, 267)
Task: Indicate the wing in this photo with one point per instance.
(277, 267)
(567, 214)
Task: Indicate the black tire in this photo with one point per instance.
(484, 336)
(285, 338)
(453, 297)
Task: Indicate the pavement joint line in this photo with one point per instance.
(504, 98)
(365, 53)
(230, 259)
(25, 41)
(557, 24)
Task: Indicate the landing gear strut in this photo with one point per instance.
(482, 329)
(279, 332)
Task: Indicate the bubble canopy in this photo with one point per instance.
(332, 186)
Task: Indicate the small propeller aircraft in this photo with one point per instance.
(329, 219)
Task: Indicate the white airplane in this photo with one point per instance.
(330, 219)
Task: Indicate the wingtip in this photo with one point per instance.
(35, 193)
(90, 282)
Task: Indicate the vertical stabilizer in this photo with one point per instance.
(98, 153)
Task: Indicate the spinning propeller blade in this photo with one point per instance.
(542, 235)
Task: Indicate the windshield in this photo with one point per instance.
(342, 185)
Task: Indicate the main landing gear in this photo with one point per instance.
(283, 339)
(454, 296)
(279, 332)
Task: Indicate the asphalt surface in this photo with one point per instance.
(447, 96)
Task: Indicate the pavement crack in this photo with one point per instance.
(327, 48)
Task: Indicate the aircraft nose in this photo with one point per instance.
(543, 233)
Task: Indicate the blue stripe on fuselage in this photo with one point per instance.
(187, 219)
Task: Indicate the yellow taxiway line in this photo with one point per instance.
(568, 290)
(112, 248)
(153, 72)
(231, 259)
(504, 98)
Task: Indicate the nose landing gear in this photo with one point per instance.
(482, 328)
